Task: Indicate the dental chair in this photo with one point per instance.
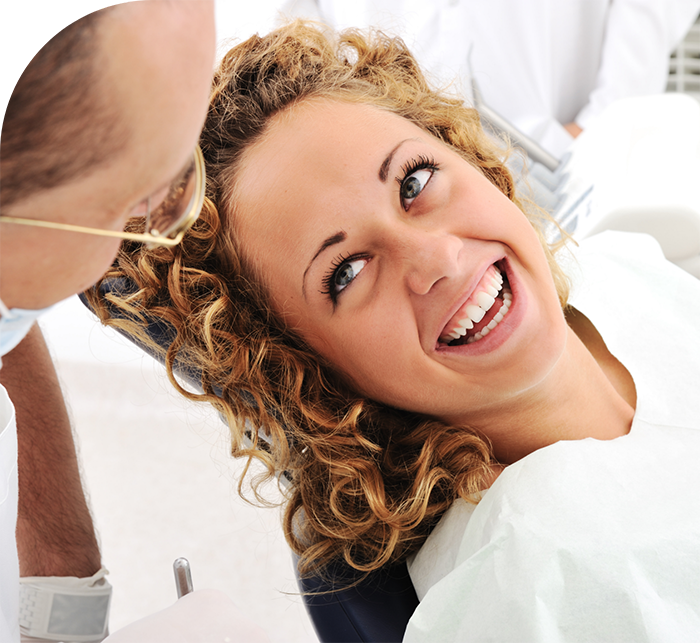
(375, 609)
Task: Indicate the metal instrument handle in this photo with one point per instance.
(183, 576)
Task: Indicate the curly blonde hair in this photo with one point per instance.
(368, 482)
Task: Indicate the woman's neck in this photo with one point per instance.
(591, 394)
(613, 369)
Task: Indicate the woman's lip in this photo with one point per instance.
(504, 329)
(465, 296)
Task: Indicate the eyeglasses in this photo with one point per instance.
(166, 225)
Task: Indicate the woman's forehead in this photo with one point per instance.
(320, 141)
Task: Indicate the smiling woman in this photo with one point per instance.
(366, 290)
(416, 236)
(282, 306)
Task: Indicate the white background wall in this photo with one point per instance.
(238, 20)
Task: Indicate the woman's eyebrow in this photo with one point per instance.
(334, 239)
(384, 167)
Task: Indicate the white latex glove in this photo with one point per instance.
(204, 616)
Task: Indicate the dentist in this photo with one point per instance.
(102, 126)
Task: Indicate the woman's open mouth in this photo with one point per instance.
(482, 312)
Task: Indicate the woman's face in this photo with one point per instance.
(379, 245)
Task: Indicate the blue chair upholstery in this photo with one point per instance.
(375, 609)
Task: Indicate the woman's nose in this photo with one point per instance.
(429, 257)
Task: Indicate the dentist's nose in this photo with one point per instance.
(430, 257)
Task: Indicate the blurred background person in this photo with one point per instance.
(547, 66)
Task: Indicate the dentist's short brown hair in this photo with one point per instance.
(60, 122)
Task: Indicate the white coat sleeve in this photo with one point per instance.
(639, 38)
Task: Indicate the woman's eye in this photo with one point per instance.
(347, 272)
(413, 185)
(341, 275)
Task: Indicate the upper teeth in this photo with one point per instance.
(479, 305)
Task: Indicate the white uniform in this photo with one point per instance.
(539, 63)
(9, 565)
(590, 540)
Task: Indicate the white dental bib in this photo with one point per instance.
(590, 540)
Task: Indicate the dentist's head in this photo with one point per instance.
(102, 126)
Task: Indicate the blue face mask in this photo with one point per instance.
(15, 324)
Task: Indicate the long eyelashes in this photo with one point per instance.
(413, 165)
(329, 277)
(417, 173)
